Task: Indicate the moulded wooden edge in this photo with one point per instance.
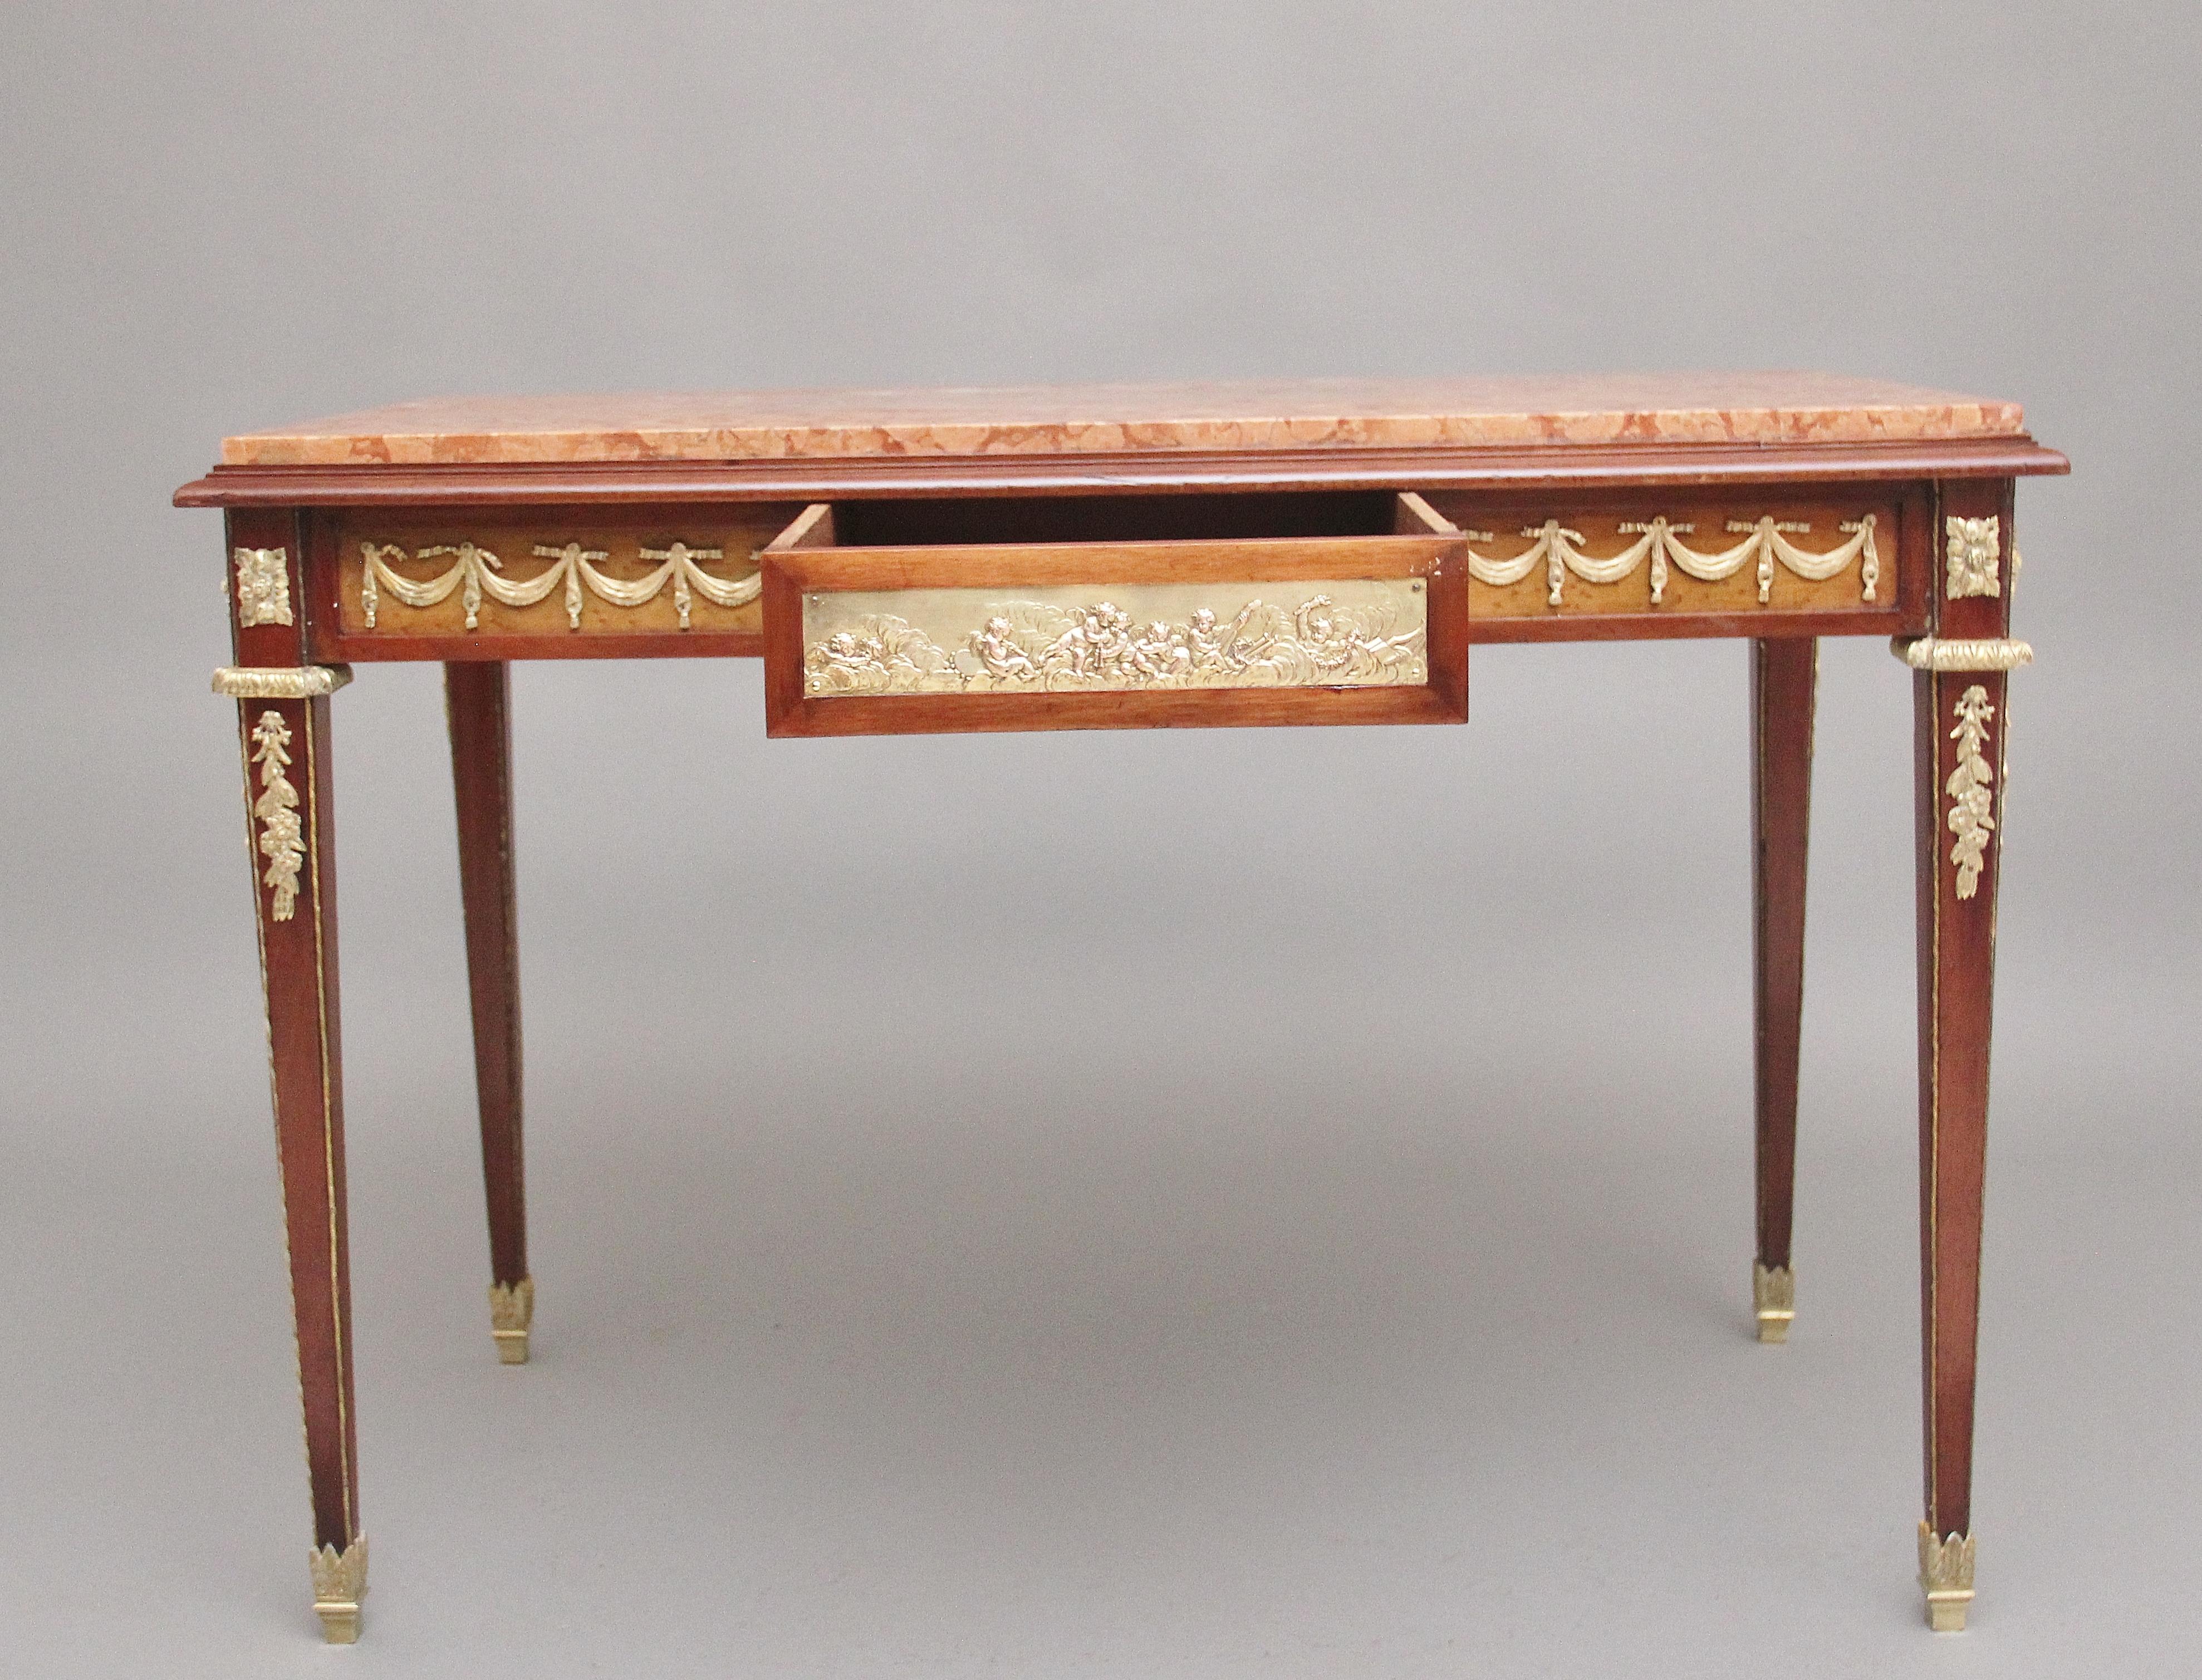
(378, 648)
(1190, 709)
(1527, 467)
(1762, 624)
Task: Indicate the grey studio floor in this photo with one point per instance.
(957, 1259)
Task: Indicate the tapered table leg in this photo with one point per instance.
(1962, 727)
(478, 704)
(1784, 675)
(286, 768)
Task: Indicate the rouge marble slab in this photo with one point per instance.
(1746, 408)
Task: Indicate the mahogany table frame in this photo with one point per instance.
(1956, 641)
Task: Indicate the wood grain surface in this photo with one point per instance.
(478, 710)
(298, 971)
(1957, 989)
(1784, 681)
(1483, 467)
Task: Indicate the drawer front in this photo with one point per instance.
(422, 578)
(949, 638)
(1709, 557)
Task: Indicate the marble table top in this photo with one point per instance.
(1678, 407)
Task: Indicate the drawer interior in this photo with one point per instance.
(958, 521)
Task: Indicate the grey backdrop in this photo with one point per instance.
(1211, 1203)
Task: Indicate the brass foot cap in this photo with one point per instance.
(339, 1584)
(511, 1310)
(1946, 1575)
(1773, 1295)
(340, 1621)
(1945, 1612)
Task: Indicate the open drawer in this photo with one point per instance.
(953, 616)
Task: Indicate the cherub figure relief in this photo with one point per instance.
(999, 655)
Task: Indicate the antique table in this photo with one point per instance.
(1126, 557)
